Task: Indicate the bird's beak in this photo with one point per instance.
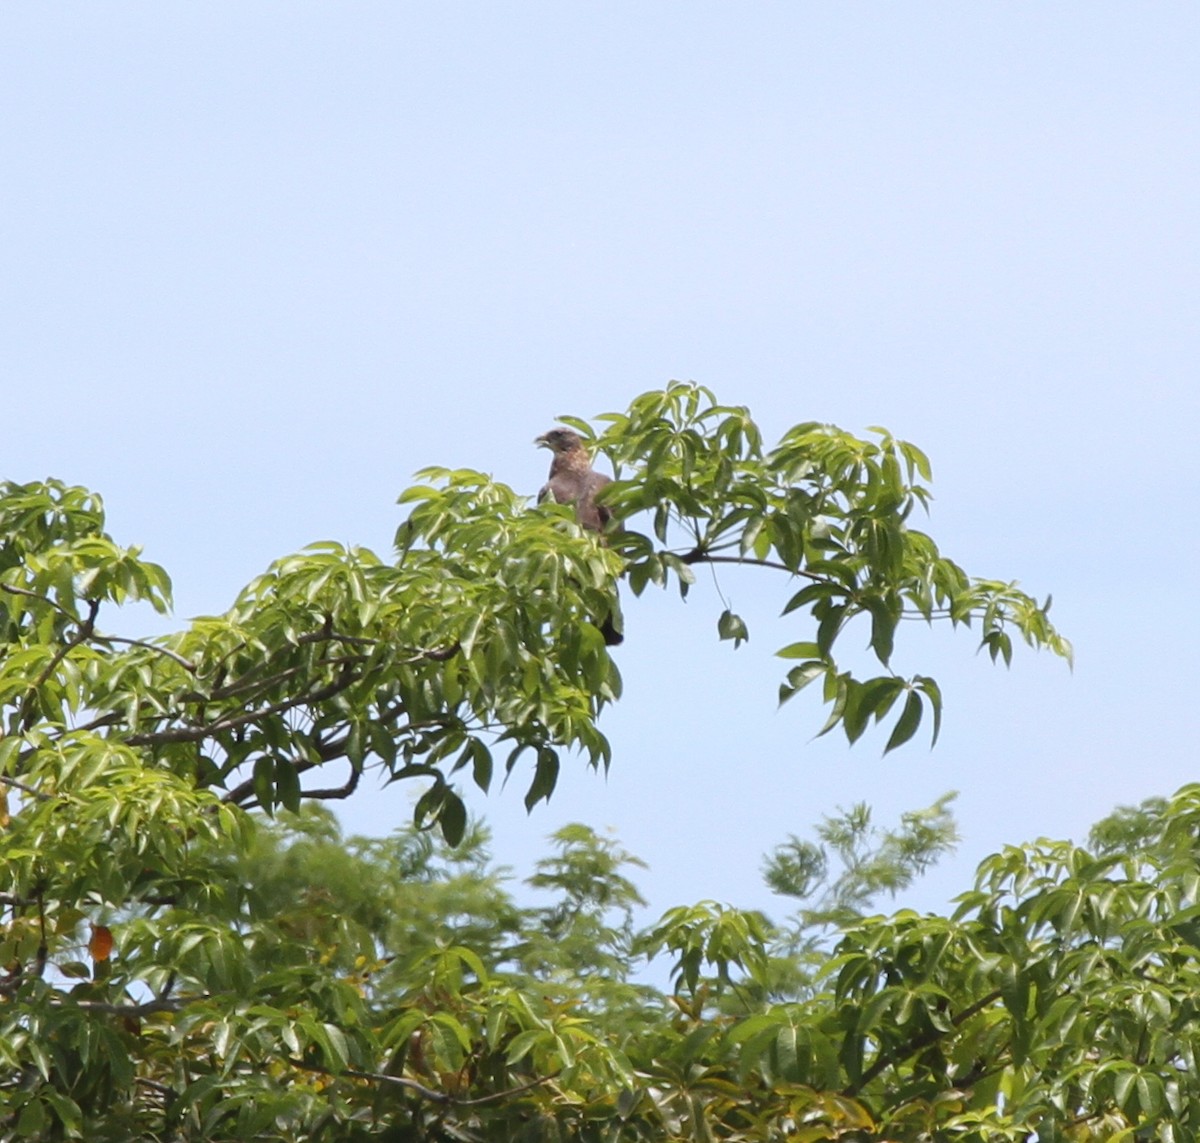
(541, 441)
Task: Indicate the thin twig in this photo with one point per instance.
(379, 1077)
(420, 1089)
(147, 1008)
(249, 683)
(7, 900)
(8, 587)
(86, 628)
(437, 655)
(184, 663)
(30, 790)
(334, 637)
(104, 720)
(155, 1086)
(199, 733)
(705, 556)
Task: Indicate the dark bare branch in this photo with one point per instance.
(336, 792)
(703, 556)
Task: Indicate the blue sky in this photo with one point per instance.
(264, 261)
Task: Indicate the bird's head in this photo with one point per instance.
(559, 440)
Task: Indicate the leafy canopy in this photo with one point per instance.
(158, 983)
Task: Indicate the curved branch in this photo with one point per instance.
(337, 792)
(438, 655)
(11, 590)
(700, 556)
(186, 664)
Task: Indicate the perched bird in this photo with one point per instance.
(572, 480)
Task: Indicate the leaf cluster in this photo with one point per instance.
(171, 969)
(829, 509)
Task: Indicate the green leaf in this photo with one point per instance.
(878, 695)
(999, 644)
(799, 651)
(836, 692)
(1123, 1088)
(799, 677)
(287, 784)
(32, 1121)
(522, 1044)
(883, 628)
(264, 781)
(906, 724)
(810, 594)
(430, 802)
(545, 777)
(787, 1054)
(933, 692)
(481, 764)
(453, 818)
(854, 716)
(731, 626)
(336, 1048)
(828, 628)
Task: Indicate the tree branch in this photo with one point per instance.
(438, 655)
(165, 1090)
(86, 628)
(427, 1093)
(245, 789)
(890, 1059)
(701, 556)
(199, 733)
(187, 665)
(336, 748)
(248, 683)
(96, 723)
(330, 636)
(11, 590)
(33, 793)
(147, 1008)
(337, 792)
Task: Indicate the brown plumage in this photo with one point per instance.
(572, 480)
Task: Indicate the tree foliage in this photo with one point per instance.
(175, 966)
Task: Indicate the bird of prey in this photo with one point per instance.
(572, 480)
